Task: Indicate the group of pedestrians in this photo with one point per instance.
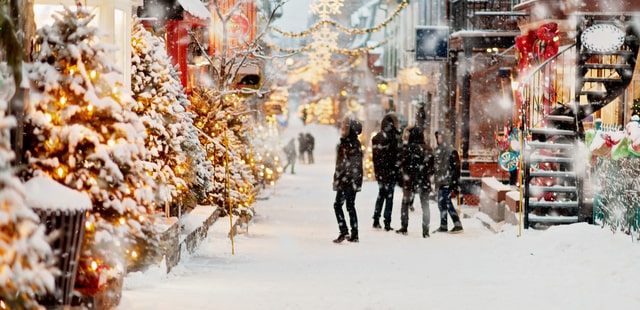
(409, 163)
(306, 144)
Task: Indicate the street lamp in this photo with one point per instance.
(382, 86)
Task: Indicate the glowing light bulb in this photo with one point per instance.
(94, 265)
(90, 107)
(63, 100)
(93, 74)
(122, 221)
(60, 171)
(134, 254)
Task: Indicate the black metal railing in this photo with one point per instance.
(548, 87)
(485, 15)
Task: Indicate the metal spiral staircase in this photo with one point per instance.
(556, 96)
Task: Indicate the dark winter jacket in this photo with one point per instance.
(417, 162)
(348, 173)
(385, 151)
(311, 142)
(447, 167)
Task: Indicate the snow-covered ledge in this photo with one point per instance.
(46, 194)
(113, 17)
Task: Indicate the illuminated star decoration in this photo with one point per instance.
(324, 8)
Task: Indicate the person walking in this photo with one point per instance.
(311, 143)
(302, 146)
(447, 181)
(417, 164)
(386, 166)
(290, 152)
(347, 178)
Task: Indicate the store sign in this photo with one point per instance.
(432, 43)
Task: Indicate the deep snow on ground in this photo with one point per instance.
(287, 259)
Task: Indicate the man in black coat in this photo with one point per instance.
(386, 167)
(347, 178)
(417, 162)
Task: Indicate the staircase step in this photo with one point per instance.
(552, 174)
(625, 53)
(535, 158)
(551, 219)
(603, 80)
(553, 204)
(555, 188)
(560, 118)
(549, 145)
(594, 93)
(552, 132)
(606, 66)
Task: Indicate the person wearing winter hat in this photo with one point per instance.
(417, 163)
(347, 179)
(447, 180)
(386, 166)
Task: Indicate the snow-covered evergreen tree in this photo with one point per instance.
(224, 123)
(25, 255)
(82, 132)
(184, 174)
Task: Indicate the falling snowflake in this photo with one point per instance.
(324, 8)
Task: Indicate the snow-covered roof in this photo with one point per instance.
(195, 8)
(368, 13)
(45, 193)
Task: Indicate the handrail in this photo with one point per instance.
(549, 83)
(531, 73)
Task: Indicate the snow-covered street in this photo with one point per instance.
(287, 259)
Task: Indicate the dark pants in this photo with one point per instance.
(407, 201)
(446, 206)
(310, 157)
(385, 197)
(350, 198)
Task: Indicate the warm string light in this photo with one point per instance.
(346, 30)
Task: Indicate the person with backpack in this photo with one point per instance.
(417, 162)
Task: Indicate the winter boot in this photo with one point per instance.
(387, 227)
(376, 224)
(353, 237)
(441, 229)
(402, 231)
(341, 237)
(456, 229)
(425, 233)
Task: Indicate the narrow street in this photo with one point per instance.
(287, 260)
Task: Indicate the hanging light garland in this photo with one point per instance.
(343, 29)
(344, 51)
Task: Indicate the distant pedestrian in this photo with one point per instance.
(417, 162)
(311, 143)
(386, 166)
(302, 146)
(290, 152)
(447, 181)
(347, 178)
